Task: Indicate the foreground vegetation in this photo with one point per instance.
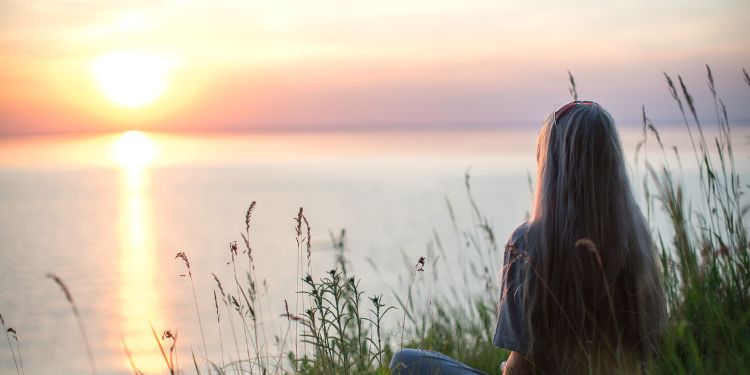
(705, 258)
(335, 328)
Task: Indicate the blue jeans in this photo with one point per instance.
(425, 362)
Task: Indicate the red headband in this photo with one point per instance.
(566, 108)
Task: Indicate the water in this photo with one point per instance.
(111, 231)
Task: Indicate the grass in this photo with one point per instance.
(705, 259)
(333, 327)
(81, 326)
(344, 338)
(457, 324)
(11, 332)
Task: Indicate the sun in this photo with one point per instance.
(131, 79)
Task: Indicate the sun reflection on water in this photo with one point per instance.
(138, 295)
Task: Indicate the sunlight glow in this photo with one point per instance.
(130, 78)
(134, 149)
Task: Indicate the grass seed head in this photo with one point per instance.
(309, 237)
(249, 215)
(167, 334)
(235, 303)
(218, 283)
(183, 256)
(216, 304)
(298, 219)
(233, 249)
(62, 285)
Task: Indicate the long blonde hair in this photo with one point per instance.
(593, 295)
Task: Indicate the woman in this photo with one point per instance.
(581, 287)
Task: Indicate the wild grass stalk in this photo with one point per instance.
(706, 175)
(339, 246)
(81, 328)
(12, 352)
(238, 306)
(352, 303)
(572, 89)
(167, 360)
(487, 250)
(302, 239)
(377, 312)
(169, 335)
(298, 277)
(406, 307)
(14, 334)
(254, 302)
(195, 362)
(133, 367)
(218, 328)
(282, 341)
(249, 310)
(461, 261)
(225, 300)
(184, 257)
(241, 311)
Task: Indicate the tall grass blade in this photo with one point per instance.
(81, 328)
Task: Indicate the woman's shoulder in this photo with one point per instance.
(516, 244)
(518, 237)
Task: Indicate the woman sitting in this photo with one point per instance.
(581, 290)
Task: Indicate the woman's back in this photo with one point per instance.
(591, 294)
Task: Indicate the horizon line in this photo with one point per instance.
(353, 128)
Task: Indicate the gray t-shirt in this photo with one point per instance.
(511, 332)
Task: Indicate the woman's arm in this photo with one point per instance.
(517, 365)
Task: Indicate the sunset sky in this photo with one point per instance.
(100, 66)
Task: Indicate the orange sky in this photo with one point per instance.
(325, 64)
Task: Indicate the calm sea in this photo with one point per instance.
(110, 226)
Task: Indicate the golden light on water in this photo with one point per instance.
(133, 151)
(130, 78)
(138, 296)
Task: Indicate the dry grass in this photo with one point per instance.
(11, 332)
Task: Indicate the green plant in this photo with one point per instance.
(344, 341)
(705, 260)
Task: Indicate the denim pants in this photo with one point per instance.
(425, 362)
